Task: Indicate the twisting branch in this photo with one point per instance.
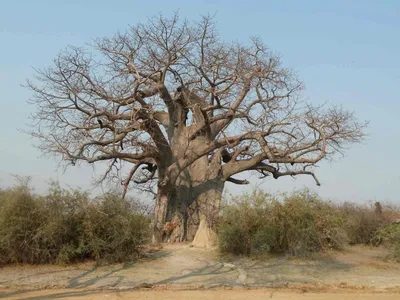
(237, 181)
(128, 179)
(152, 168)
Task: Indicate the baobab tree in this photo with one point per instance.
(178, 106)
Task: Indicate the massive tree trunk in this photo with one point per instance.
(203, 212)
(194, 201)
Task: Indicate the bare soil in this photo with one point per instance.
(178, 271)
(200, 295)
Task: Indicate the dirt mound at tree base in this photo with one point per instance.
(205, 237)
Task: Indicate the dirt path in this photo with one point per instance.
(198, 295)
(180, 267)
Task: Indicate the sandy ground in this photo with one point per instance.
(181, 272)
(200, 295)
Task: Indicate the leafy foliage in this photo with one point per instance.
(362, 222)
(66, 226)
(300, 224)
(390, 236)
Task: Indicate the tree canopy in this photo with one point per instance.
(166, 94)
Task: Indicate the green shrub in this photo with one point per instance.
(67, 226)
(390, 237)
(300, 224)
(307, 224)
(241, 220)
(21, 216)
(114, 230)
(361, 222)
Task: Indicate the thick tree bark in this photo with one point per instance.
(204, 211)
(195, 197)
(160, 212)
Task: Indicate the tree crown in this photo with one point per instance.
(167, 93)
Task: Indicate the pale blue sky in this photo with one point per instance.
(346, 52)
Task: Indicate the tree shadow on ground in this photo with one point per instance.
(87, 278)
(5, 282)
(80, 281)
(282, 269)
(268, 272)
(216, 269)
(50, 295)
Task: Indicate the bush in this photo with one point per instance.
(242, 220)
(390, 237)
(20, 217)
(115, 229)
(307, 224)
(362, 222)
(300, 224)
(67, 226)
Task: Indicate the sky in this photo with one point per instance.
(346, 52)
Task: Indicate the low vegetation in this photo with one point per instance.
(299, 224)
(66, 226)
(390, 237)
(362, 221)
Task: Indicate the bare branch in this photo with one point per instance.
(237, 181)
